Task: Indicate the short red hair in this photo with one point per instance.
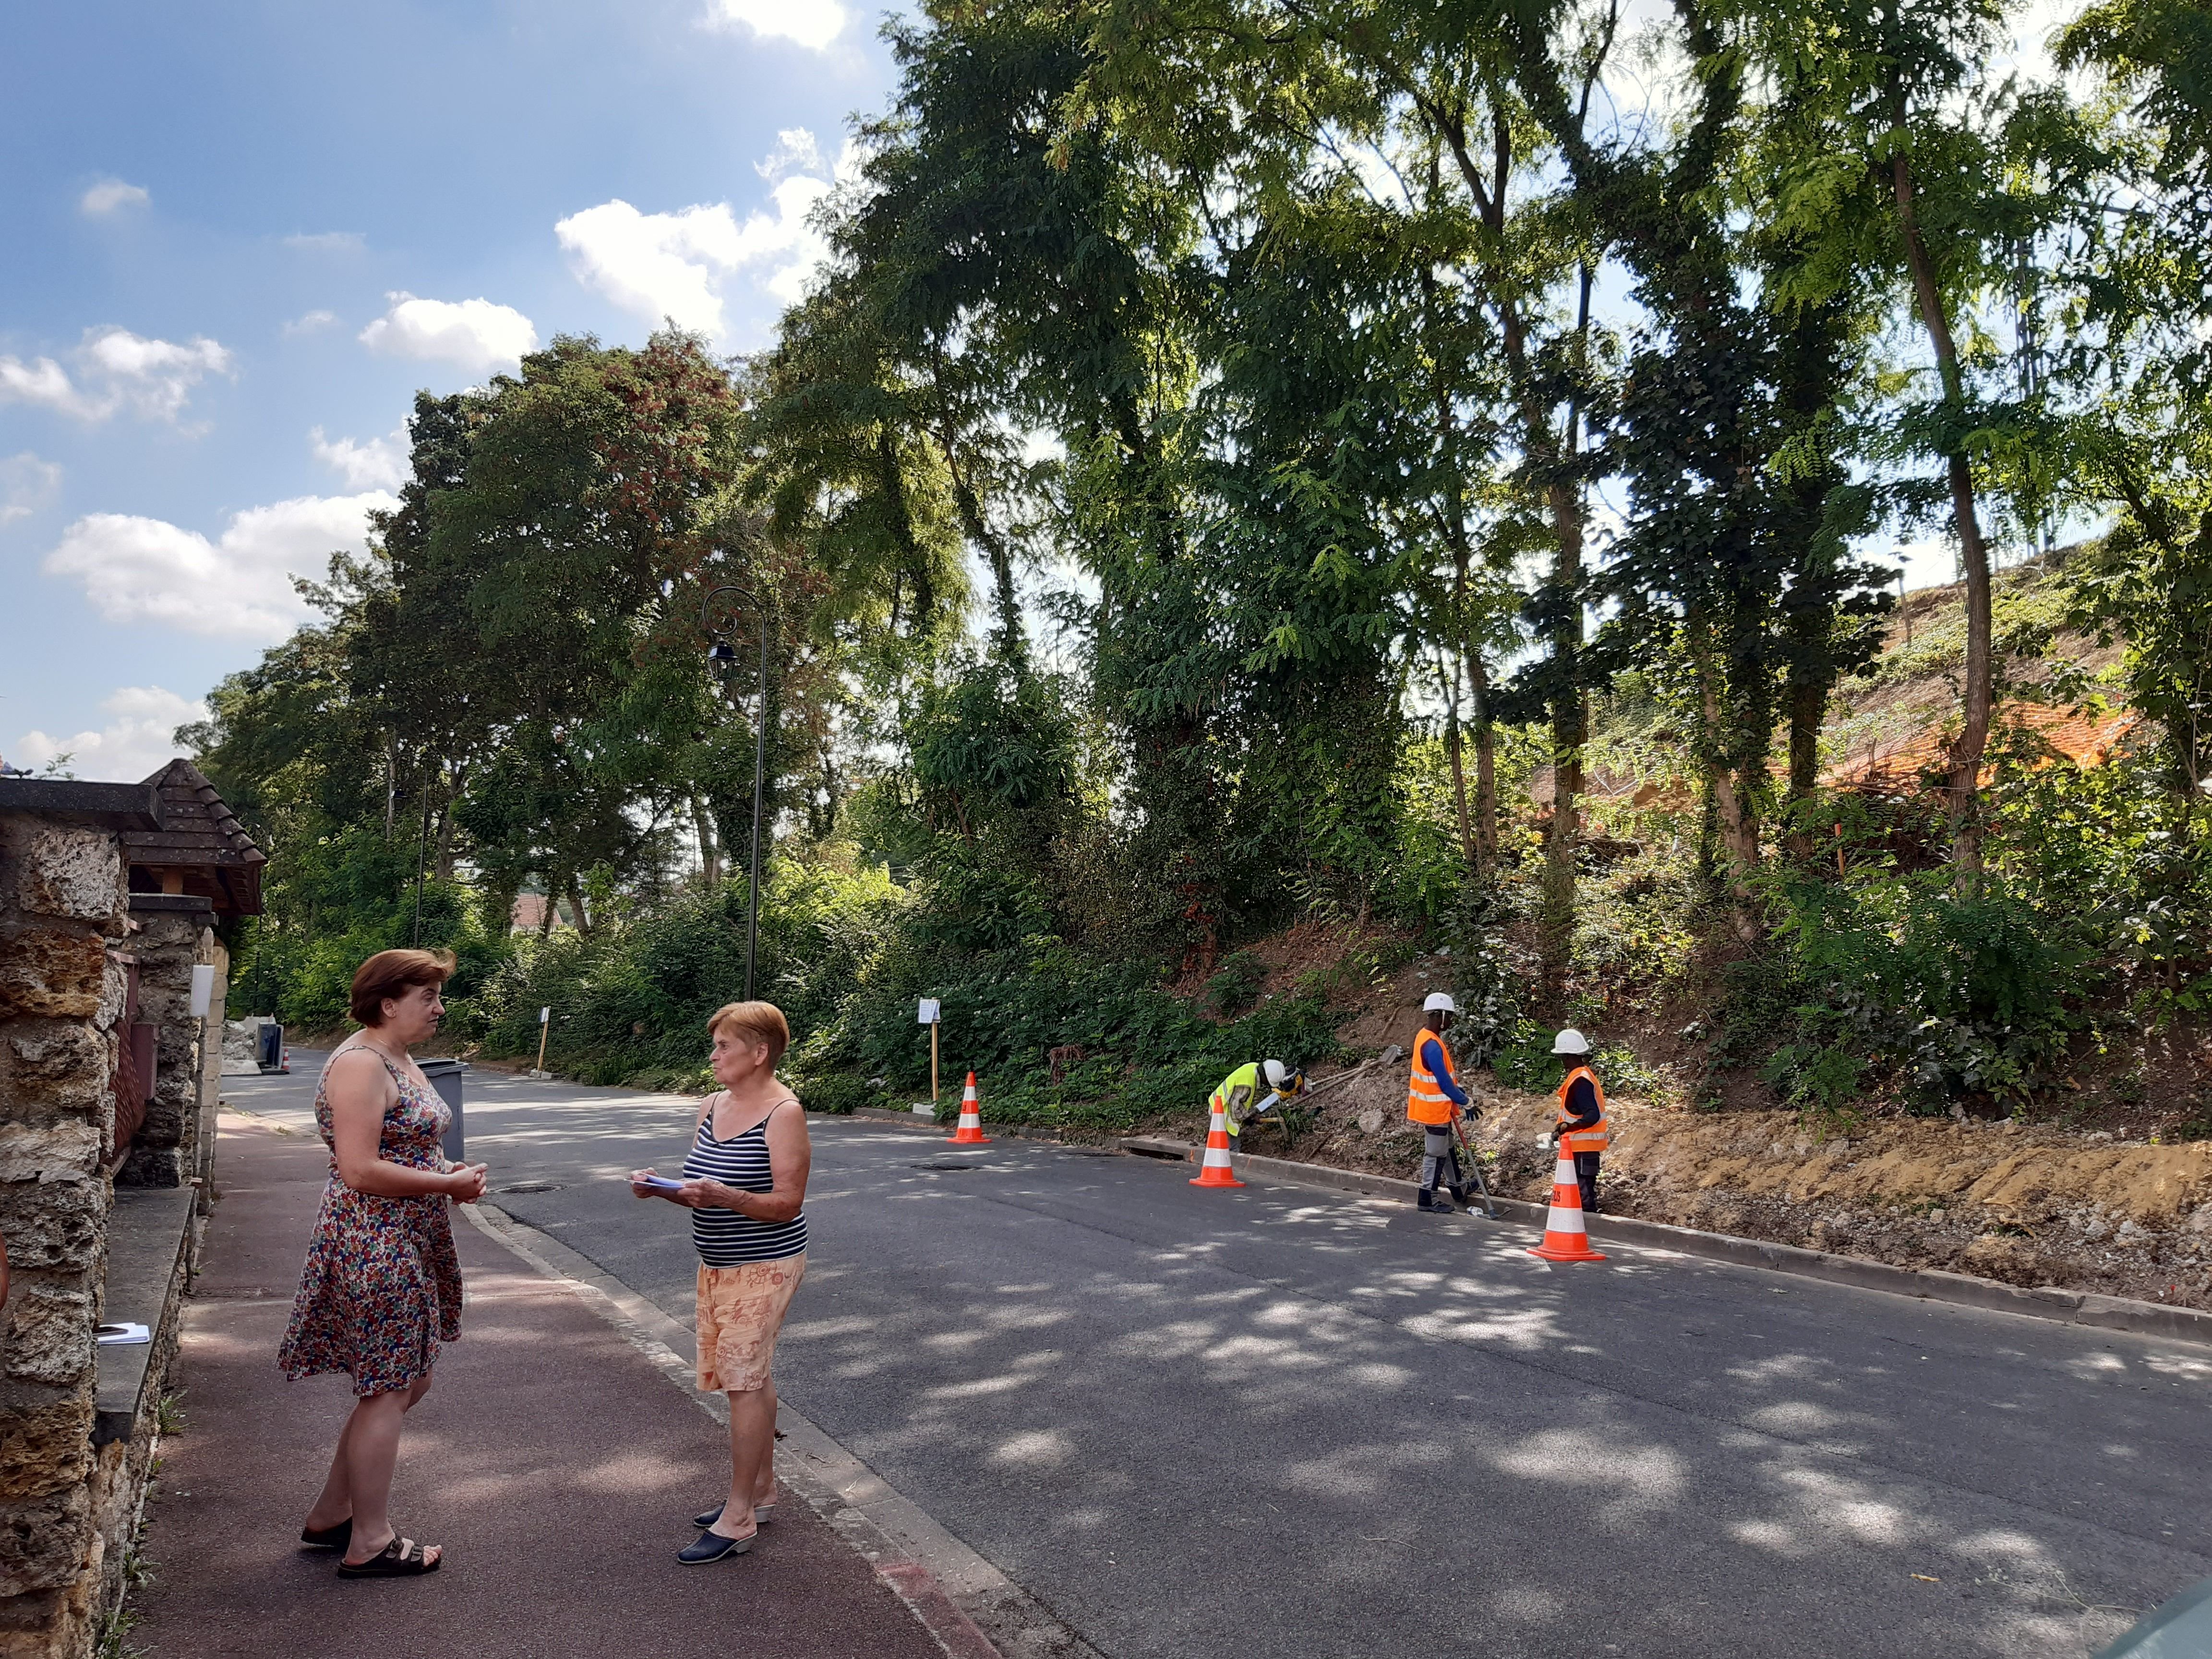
(753, 1022)
(393, 973)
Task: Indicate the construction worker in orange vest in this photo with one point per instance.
(1581, 1127)
(1433, 1099)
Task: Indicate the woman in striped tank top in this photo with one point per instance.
(744, 1181)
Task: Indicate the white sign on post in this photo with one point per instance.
(544, 1015)
(202, 989)
(929, 1006)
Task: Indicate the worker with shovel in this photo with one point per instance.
(1435, 1101)
(1238, 1097)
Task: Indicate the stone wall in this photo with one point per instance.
(62, 907)
(207, 1083)
(166, 1152)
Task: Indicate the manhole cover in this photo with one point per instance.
(532, 1186)
(946, 1163)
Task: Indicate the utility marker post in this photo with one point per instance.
(545, 1029)
(928, 1013)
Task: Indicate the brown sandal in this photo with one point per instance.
(403, 1558)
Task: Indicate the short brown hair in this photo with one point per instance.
(755, 1022)
(393, 973)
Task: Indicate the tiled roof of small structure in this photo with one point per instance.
(198, 826)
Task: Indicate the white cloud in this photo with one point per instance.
(327, 242)
(136, 569)
(117, 369)
(109, 194)
(795, 151)
(135, 743)
(26, 483)
(380, 464)
(679, 265)
(312, 322)
(475, 334)
(812, 23)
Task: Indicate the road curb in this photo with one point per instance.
(921, 1125)
(2085, 1308)
(970, 1608)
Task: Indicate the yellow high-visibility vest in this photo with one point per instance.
(1240, 1085)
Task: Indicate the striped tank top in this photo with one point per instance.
(723, 1237)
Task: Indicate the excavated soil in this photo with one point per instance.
(2027, 1204)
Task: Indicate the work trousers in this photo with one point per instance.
(1440, 1161)
(1586, 1178)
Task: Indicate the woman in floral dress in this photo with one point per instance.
(381, 1288)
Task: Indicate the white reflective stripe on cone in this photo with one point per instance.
(1219, 1125)
(1216, 1158)
(1566, 1221)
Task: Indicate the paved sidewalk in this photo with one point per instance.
(556, 1465)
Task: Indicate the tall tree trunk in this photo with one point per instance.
(710, 849)
(996, 553)
(550, 913)
(1808, 708)
(583, 918)
(1485, 763)
(1468, 849)
(453, 778)
(1732, 821)
(1544, 449)
(1979, 690)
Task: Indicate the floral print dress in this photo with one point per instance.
(382, 1284)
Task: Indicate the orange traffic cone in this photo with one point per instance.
(1217, 1171)
(970, 1132)
(1565, 1238)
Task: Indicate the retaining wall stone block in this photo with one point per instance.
(48, 1445)
(47, 973)
(44, 1543)
(45, 1335)
(53, 1224)
(64, 871)
(58, 1062)
(60, 1152)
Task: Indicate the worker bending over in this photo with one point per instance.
(1238, 1097)
(1433, 1099)
(1581, 1127)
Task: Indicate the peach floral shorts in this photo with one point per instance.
(740, 1310)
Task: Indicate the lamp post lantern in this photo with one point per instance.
(721, 652)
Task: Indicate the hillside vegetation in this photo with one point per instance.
(1260, 513)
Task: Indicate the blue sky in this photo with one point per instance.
(240, 236)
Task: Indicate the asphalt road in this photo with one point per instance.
(1275, 1421)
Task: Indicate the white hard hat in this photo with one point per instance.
(1440, 1002)
(1571, 1042)
(1276, 1072)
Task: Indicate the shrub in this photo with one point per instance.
(1950, 993)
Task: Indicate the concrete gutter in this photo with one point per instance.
(2108, 1313)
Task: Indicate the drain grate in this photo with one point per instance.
(532, 1186)
(946, 1163)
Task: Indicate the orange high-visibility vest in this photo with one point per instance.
(1593, 1139)
(1425, 1101)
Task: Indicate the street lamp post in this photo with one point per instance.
(721, 652)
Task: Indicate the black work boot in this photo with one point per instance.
(1433, 1201)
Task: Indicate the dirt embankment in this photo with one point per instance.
(2028, 1205)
